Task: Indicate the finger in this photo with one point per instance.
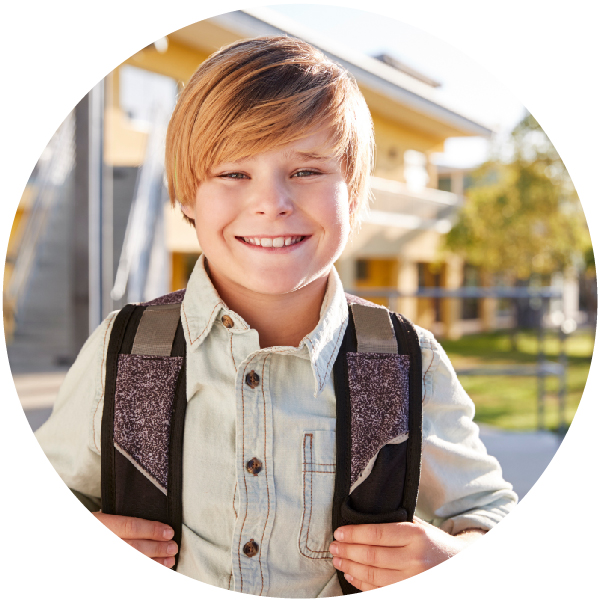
(154, 549)
(423, 524)
(166, 562)
(360, 585)
(132, 528)
(376, 556)
(368, 574)
(382, 534)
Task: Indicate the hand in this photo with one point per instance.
(372, 556)
(151, 538)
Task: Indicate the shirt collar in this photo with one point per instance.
(202, 306)
(324, 341)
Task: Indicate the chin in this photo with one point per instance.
(276, 287)
(279, 284)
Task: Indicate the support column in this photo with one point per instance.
(88, 219)
(407, 284)
(488, 306)
(96, 216)
(79, 229)
(451, 307)
(346, 270)
(570, 294)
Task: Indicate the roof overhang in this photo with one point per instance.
(384, 87)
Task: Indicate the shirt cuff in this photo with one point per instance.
(484, 518)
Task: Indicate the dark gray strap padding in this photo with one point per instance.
(374, 329)
(156, 330)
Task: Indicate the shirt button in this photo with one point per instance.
(227, 321)
(254, 466)
(251, 548)
(252, 379)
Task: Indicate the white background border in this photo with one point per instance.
(546, 52)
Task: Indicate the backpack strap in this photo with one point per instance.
(377, 380)
(143, 417)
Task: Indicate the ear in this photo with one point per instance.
(189, 211)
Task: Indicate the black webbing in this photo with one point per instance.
(107, 477)
(409, 344)
(176, 445)
(130, 333)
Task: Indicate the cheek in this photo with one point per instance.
(213, 216)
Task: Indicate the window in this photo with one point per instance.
(142, 92)
(361, 270)
(444, 183)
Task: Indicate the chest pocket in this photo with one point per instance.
(319, 466)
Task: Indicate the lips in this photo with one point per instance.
(273, 242)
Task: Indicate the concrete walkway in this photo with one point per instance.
(37, 392)
(523, 456)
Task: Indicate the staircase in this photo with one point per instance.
(41, 337)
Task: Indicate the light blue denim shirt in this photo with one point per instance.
(287, 423)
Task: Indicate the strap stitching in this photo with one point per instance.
(305, 471)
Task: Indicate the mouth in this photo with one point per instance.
(273, 242)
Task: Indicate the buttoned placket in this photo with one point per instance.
(253, 549)
(254, 462)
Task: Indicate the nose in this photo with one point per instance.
(272, 199)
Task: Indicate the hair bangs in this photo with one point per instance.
(259, 94)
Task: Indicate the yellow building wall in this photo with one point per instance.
(381, 273)
(182, 264)
(393, 140)
(14, 240)
(178, 61)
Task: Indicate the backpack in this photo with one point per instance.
(377, 381)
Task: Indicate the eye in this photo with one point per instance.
(233, 175)
(306, 173)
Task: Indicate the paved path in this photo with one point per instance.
(523, 456)
(37, 392)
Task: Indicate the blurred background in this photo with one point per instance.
(475, 231)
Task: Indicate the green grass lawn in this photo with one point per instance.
(509, 402)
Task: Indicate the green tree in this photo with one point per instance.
(522, 216)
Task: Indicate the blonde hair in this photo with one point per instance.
(257, 94)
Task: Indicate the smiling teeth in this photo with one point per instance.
(273, 242)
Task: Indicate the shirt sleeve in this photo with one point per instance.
(461, 486)
(70, 438)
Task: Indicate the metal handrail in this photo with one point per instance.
(464, 292)
(143, 214)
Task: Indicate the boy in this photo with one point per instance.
(268, 154)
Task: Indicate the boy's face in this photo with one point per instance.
(275, 222)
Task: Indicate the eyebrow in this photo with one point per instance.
(308, 155)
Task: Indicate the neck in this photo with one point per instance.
(280, 319)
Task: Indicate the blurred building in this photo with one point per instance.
(481, 314)
(85, 260)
